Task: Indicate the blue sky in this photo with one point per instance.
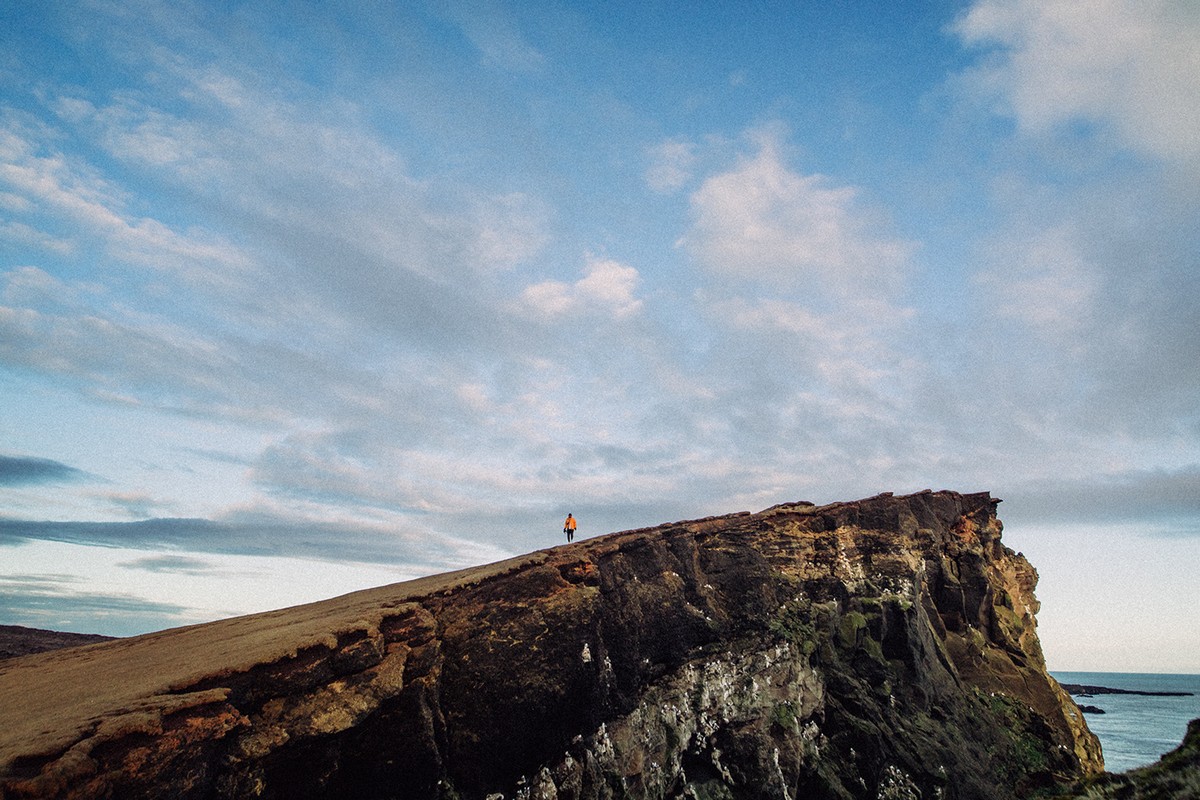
(302, 298)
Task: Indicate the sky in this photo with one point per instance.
(303, 298)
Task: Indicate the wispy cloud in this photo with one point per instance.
(137, 505)
(1155, 501)
(60, 603)
(672, 165)
(29, 470)
(256, 532)
(495, 33)
(170, 564)
(1086, 269)
(58, 188)
(1045, 284)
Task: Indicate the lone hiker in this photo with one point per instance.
(569, 527)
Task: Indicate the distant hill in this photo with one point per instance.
(19, 641)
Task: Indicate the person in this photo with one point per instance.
(569, 527)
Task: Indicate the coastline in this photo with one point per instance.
(1144, 715)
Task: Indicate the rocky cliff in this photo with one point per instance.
(884, 648)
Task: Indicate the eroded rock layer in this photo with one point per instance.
(884, 648)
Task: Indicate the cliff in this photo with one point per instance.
(884, 648)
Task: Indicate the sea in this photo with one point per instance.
(1136, 730)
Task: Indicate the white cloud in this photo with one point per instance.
(607, 287)
(1128, 64)
(13, 202)
(138, 359)
(323, 231)
(30, 284)
(55, 190)
(765, 223)
(104, 353)
(1043, 282)
(1088, 274)
(1085, 309)
(24, 234)
(672, 164)
(47, 182)
(848, 356)
(507, 231)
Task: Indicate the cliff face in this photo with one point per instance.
(879, 649)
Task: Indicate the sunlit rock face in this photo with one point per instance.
(884, 648)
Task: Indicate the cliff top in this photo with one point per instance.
(839, 651)
(53, 699)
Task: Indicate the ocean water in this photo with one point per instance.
(1135, 730)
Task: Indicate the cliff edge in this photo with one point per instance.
(884, 648)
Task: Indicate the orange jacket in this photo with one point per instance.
(570, 523)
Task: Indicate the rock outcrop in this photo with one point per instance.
(884, 648)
